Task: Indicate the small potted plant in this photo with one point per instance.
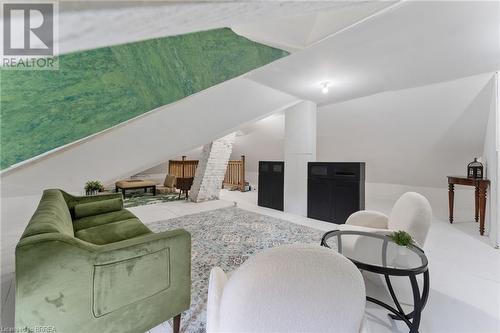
(92, 187)
(404, 240)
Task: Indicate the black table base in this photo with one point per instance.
(411, 319)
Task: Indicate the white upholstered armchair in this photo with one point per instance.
(411, 213)
(288, 289)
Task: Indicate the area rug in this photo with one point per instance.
(140, 199)
(226, 237)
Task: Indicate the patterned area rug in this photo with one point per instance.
(226, 237)
(140, 199)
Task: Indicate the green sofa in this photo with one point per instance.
(85, 264)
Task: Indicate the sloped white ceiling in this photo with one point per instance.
(410, 44)
(413, 136)
(329, 22)
(92, 24)
(298, 32)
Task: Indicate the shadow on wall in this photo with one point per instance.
(451, 146)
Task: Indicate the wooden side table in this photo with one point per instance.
(481, 186)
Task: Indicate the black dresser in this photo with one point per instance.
(271, 184)
(335, 190)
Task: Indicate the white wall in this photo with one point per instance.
(411, 139)
(414, 136)
(260, 141)
(159, 171)
(490, 158)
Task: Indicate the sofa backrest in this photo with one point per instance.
(52, 215)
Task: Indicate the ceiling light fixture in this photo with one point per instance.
(325, 87)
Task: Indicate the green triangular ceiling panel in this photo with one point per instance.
(96, 89)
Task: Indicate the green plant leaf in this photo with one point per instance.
(401, 238)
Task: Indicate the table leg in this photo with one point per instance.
(476, 199)
(394, 298)
(451, 196)
(419, 302)
(427, 287)
(482, 208)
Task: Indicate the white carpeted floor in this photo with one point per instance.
(464, 270)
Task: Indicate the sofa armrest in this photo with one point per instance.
(149, 274)
(63, 239)
(163, 260)
(368, 218)
(178, 240)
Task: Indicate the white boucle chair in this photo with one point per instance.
(288, 289)
(411, 213)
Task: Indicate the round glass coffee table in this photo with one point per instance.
(377, 253)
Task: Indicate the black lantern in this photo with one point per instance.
(475, 169)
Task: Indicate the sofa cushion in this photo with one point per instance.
(98, 207)
(51, 215)
(94, 221)
(134, 183)
(113, 232)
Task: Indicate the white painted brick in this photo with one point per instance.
(212, 169)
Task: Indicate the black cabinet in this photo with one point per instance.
(271, 184)
(335, 190)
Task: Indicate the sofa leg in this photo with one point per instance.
(177, 323)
